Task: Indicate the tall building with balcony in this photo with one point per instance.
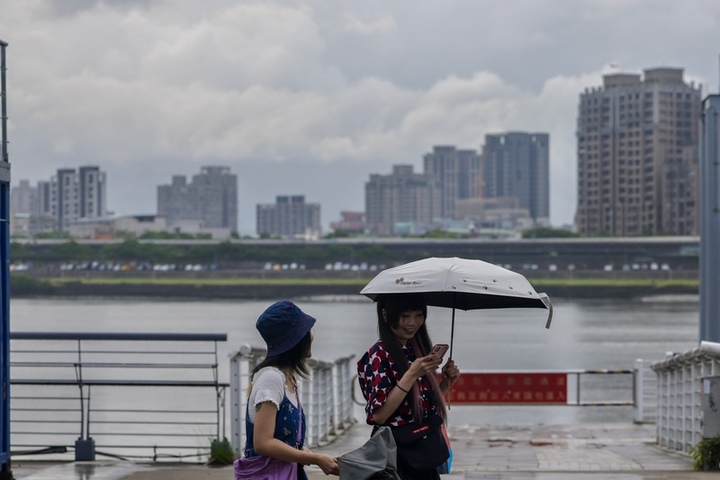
(92, 193)
(69, 196)
(289, 217)
(637, 142)
(457, 175)
(517, 164)
(209, 199)
(401, 201)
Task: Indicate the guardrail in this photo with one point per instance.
(684, 403)
(117, 392)
(645, 392)
(326, 396)
(550, 387)
(133, 392)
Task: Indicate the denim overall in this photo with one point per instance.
(286, 430)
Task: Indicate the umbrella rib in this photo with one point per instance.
(447, 274)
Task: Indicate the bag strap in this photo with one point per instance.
(300, 416)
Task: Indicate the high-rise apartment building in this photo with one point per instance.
(175, 202)
(402, 197)
(42, 202)
(289, 217)
(92, 193)
(65, 197)
(457, 174)
(517, 164)
(210, 198)
(216, 190)
(22, 197)
(69, 196)
(637, 139)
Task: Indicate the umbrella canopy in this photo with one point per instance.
(459, 283)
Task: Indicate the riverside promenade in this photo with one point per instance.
(616, 451)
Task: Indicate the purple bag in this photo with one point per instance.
(261, 467)
(264, 468)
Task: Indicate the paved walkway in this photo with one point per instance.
(615, 451)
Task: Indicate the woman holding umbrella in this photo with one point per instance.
(398, 379)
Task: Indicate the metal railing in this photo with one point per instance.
(582, 388)
(124, 394)
(645, 392)
(681, 414)
(326, 396)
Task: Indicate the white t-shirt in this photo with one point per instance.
(268, 386)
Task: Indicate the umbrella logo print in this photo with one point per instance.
(402, 281)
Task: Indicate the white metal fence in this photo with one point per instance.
(326, 396)
(680, 378)
(645, 392)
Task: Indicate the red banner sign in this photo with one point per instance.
(510, 388)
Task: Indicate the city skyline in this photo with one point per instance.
(211, 196)
(271, 90)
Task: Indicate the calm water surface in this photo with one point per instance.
(594, 334)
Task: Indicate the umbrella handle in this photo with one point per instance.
(452, 333)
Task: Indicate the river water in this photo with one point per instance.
(585, 334)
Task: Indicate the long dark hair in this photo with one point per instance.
(294, 359)
(389, 310)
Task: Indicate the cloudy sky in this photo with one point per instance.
(311, 97)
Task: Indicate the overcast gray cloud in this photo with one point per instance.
(313, 97)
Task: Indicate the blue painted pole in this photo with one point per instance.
(5, 470)
(710, 220)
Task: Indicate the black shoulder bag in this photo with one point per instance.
(421, 446)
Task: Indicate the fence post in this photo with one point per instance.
(638, 393)
(242, 363)
(344, 418)
(5, 471)
(235, 404)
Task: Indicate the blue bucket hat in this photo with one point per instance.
(282, 325)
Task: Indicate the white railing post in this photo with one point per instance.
(342, 392)
(346, 391)
(236, 420)
(242, 364)
(325, 401)
(639, 391)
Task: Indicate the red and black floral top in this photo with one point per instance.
(378, 374)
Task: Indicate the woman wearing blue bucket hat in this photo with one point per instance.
(275, 423)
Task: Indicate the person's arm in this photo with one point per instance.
(403, 387)
(265, 443)
(450, 375)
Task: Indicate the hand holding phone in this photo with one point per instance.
(440, 349)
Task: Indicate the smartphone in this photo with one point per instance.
(440, 349)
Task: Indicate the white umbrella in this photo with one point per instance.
(459, 283)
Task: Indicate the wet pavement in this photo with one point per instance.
(615, 451)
